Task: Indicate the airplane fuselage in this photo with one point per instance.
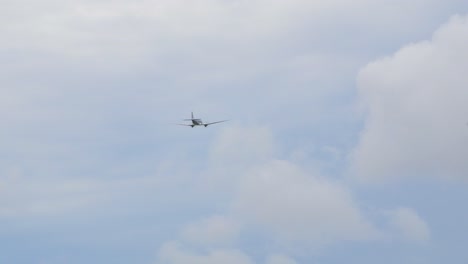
(197, 122)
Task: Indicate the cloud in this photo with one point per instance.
(38, 196)
(29, 198)
(87, 86)
(87, 59)
(174, 253)
(243, 146)
(280, 201)
(216, 230)
(236, 150)
(165, 35)
(287, 201)
(280, 259)
(293, 205)
(409, 225)
(416, 121)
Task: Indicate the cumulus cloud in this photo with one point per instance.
(216, 230)
(174, 253)
(294, 205)
(280, 259)
(278, 199)
(409, 225)
(417, 115)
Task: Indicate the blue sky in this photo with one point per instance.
(347, 141)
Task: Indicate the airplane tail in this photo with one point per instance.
(190, 119)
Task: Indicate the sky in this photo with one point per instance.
(347, 140)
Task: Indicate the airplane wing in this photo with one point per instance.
(183, 125)
(207, 124)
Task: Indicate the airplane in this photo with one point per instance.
(199, 122)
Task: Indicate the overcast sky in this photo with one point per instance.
(347, 140)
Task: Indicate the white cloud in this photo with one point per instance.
(243, 147)
(417, 113)
(216, 230)
(177, 253)
(280, 259)
(293, 206)
(35, 196)
(55, 51)
(106, 32)
(237, 149)
(174, 253)
(409, 225)
(233, 152)
(282, 202)
(31, 198)
(256, 192)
